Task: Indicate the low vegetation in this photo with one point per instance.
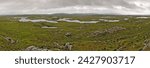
(129, 34)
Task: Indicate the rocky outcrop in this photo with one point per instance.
(110, 30)
(114, 29)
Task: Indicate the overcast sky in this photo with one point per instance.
(75, 6)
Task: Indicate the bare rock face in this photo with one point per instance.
(33, 48)
(68, 46)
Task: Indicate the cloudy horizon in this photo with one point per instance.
(126, 7)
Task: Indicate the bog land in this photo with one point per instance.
(74, 32)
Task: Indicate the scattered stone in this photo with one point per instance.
(68, 46)
(57, 45)
(68, 34)
(114, 29)
(33, 48)
(146, 44)
(96, 33)
(111, 30)
(10, 40)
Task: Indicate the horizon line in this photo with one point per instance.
(79, 13)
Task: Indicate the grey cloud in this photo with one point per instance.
(51, 6)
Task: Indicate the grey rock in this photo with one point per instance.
(68, 34)
(110, 30)
(96, 33)
(56, 45)
(146, 44)
(10, 40)
(33, 48)
(68, 46)
(114, 29)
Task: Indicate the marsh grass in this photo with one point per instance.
(31, 34)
